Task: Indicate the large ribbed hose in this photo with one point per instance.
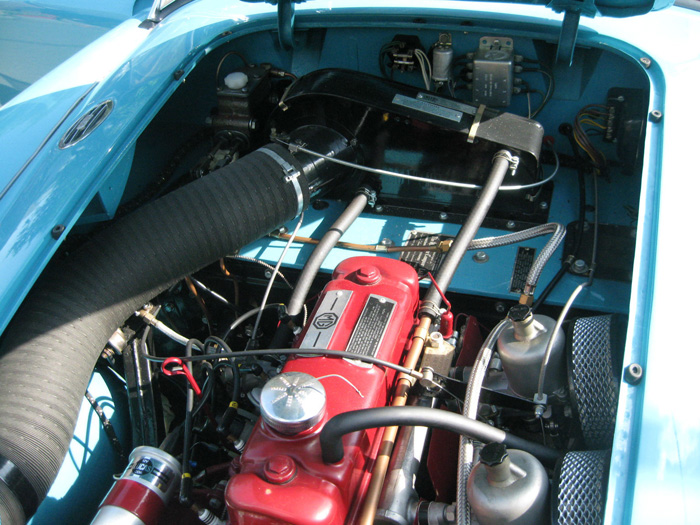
(52, 344)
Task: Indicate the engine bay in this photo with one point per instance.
(436, 336)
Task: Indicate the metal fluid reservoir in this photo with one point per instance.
(508, 486)
(522, 348)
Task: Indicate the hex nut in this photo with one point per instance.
(633, 374)
(656, 116)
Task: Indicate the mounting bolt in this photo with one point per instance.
(656, 116)
(379, 208)
(633, 374)
(544, 205)
(480, 257)
(268, 274)
(646, 62)
(280, 469)
(283, 230)
(443, 216)
(500, 307)
(386, 242)
(579, 266)
(510, 225)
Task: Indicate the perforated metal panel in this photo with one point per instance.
(581, 492)
(594, 387)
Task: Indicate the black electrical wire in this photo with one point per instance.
(186, 481)
(108, 427)
(550, 88)
(567, 130)
(292, 351)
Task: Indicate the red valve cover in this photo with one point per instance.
(368, 307)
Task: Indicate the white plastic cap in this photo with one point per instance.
(236, 80)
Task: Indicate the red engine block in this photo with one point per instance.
(368, 307)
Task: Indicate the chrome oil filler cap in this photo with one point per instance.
(292, 402)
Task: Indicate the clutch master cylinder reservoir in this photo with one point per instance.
(522, 347)
(508, 487)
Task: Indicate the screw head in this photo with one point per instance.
(379, 208)
(268, 274)
(510, 225)
(480, 257)
(443, 216)
(646, 62)
(544, 205)
(500, 307)
(386, 242)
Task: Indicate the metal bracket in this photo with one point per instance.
(573, 9)
(475, 123)
(567, 37)
(285, 24)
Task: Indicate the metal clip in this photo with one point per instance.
(291, 175)
(475, 123)
(513, 160)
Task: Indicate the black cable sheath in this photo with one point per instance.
(291, 351)
(334, 430)
(566, 130)
(186, 481)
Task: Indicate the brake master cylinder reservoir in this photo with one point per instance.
(508, 487)
(522, 347)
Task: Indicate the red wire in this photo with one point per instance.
(449, 305)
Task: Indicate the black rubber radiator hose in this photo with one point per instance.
(51, 346)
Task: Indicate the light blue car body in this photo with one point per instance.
(655, 469)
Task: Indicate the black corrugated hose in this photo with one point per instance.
(51, 347)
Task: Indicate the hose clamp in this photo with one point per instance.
(513, 160)
(291, 174)
(369, 193)
(20, 486)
